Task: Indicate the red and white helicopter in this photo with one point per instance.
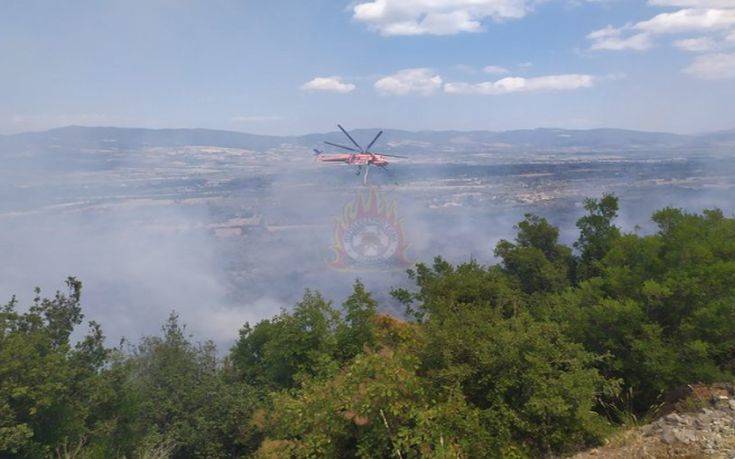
(363, 158)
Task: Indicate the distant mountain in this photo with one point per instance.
(525, 138)
(81, 137)
(721, 137)
(112, 138)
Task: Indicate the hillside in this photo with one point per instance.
(552, 351)
(701, 425)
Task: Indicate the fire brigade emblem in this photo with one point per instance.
(369, 235)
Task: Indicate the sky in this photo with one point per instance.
(299, 66)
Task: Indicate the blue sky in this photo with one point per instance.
(289, 67)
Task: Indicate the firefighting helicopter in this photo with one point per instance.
(363, 158)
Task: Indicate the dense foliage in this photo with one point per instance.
(543, 353)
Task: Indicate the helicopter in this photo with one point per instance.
(363, 158)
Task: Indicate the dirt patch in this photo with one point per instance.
(701, 426)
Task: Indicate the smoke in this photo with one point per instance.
(134, 271)
(226, 236)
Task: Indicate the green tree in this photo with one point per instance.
(660, 305)
(181, 396)
(377, 406)
(535, 389)
(596, 234)
(443, 287)
(536, 260)
(499, 361)
(48, 384)
(357, 330)
(275, 353)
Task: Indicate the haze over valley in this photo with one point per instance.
(226, 227)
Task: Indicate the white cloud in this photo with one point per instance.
(688, 20)
(495, 69)
(713, 66)
(714, 20)
(693, 3)
(518, 84)
(435, 17)
(613, 39)
(639, 36)
(410, 81)
(328, 84)
(695, 45)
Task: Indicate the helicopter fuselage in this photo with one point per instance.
(358, 159)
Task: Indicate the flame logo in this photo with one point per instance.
(369, 235)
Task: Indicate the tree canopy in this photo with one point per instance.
(543, 353)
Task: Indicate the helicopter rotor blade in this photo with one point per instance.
(393, 156)
(351, 139)
(367, 149)
(341, 146)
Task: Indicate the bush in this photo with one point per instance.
(536, 356)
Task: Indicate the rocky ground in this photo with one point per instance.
(701, 426)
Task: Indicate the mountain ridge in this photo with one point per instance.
(101, 137)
